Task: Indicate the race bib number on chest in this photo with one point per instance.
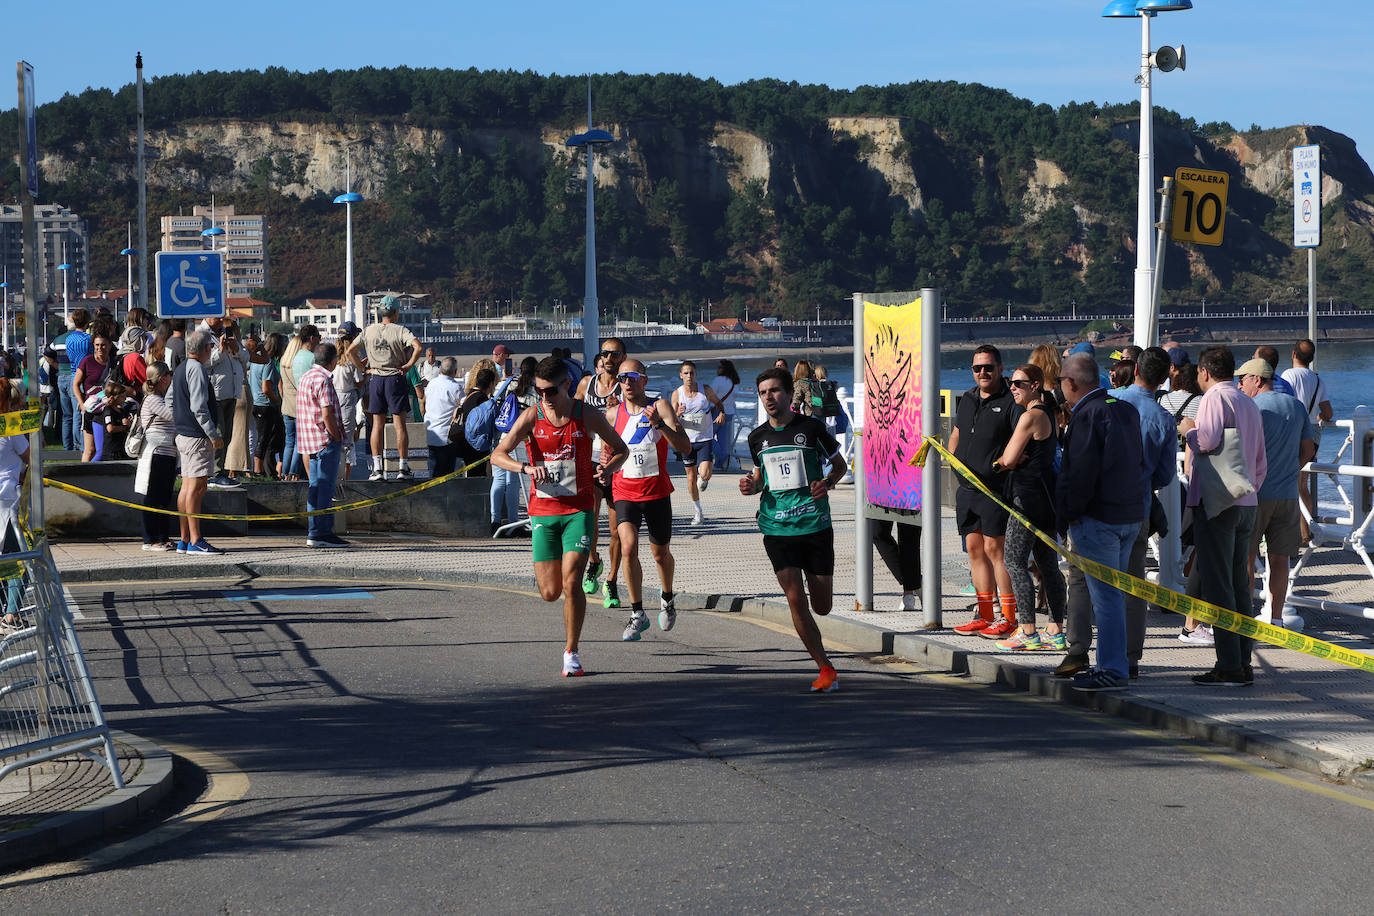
(643, 461)
(785, 469)
(562, 478)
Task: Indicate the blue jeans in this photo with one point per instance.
(505, 495)
(71, 413)
(1110, 545)
(324, 475)
(291, 460)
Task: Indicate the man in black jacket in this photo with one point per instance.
(1097, 502)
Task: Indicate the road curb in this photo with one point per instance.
(864, 637)
(143, 791)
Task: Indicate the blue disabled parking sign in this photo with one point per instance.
(190, 284)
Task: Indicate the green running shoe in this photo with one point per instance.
(612, 595)
(1055, 641)
(592, 573)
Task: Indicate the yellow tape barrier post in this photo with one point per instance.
(1163, 597)
(282, 516)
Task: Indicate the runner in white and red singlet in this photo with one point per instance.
(559, 431)
(642, 491)
(601, 392)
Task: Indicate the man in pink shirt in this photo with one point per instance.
(1222, 524)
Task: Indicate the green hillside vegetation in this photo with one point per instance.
(494, 223)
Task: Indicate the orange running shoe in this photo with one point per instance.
(974, 626)
(828, 681)
(997, 630)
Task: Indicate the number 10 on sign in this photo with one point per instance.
(1199, 206)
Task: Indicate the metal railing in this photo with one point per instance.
(48, 706)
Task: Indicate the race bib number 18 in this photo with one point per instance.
(785, 470)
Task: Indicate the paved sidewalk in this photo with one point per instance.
(1302, 712)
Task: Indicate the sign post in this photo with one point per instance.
(28, 169)
(1307, 219)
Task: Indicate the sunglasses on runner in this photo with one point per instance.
(547, 393)
(980, 368)
(606, 354)
(625, 377)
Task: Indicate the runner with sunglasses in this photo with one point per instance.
(643, 490)
(561, 469)
(600, 391)
(982, 428)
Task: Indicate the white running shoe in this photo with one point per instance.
(910, 603)
(572, 665)
(1201, 635)
(698, 519)
(638, 624)
(667, 615)
(376, 475)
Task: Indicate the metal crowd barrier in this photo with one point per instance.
(48, 705)
(1353, 528)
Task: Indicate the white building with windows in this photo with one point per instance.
(244, 243)
(62, 239)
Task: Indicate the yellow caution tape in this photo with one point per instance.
(19, 422)
(281, 516)
(1166, 598)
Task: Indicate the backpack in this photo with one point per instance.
(510, 407)
(827, 403)
(479, 426)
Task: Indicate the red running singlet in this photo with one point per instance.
(566, 451)
(644, 475)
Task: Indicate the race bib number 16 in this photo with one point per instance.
(785, 470)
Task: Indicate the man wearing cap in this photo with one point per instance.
(1289, 443)
(385, 345)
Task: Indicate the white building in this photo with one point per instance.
(244, 243)
(325, 314)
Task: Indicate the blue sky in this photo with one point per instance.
(1268, 62)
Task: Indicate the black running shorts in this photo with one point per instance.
(655, 514)
(812, 553)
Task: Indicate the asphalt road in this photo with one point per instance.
(413, 750)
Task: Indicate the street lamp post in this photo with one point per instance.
(591, 330)
(1144, 10)
(5, 325)
(348, 199)
(129, 253)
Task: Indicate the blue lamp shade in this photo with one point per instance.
(1163, 6)
(129, 252)
(4, 284)
(591, 138)
(64, 267)
(1120, 9)
(349, 198)
(213, 230)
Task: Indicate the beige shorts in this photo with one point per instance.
(197, 456)
(1276, 522)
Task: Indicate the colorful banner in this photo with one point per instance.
(892, 403)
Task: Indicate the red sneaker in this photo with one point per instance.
(977, 624)
(829, 680)
(997, 629)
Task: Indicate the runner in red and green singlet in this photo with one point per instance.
(559, 434)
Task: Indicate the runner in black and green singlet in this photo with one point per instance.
(794, 512)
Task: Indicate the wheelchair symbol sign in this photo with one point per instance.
(190, 284)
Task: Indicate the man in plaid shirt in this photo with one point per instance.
(319, 435)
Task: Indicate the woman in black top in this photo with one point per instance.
(1029, 456)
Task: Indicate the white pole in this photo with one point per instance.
(6, 319)
(863, 533)
(932, 584)
(1312, 294)
(1144, 237)
(591, 330)
(142, 196)
(129, 292)
(349, 306)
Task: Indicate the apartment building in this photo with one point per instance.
(242, 238)
(62, 239)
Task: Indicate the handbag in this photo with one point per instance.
(1222, 474)
(136, 436)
